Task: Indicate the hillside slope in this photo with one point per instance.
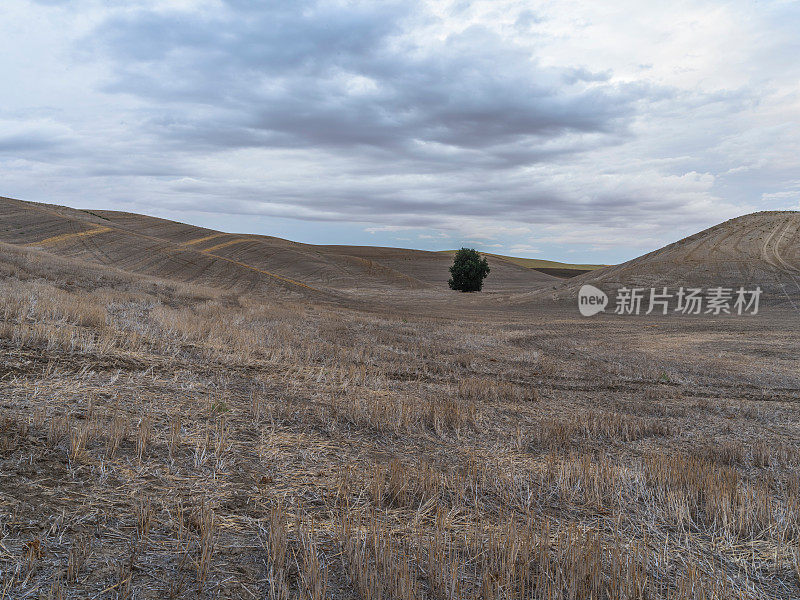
(243, 263)
(90, 237)
(759, 249)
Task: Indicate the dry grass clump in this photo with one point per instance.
(13, 433)
(40, 302)
(697, 493)
(377, 563)
(59, 337)
(277, 546)
(78, 438)
(759, 454)
(115, 433)
(393, 413)
(143, 435)
(313, 574)
(482, 389)
(207, 533)
(378, 412)
(442, 415)
(79, 552)
(399, 485)
(555, 432)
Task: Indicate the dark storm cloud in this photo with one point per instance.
(487, 117)
(430, 203)
(294, 75)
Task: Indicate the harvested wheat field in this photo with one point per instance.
(757, 249)
(192, 414)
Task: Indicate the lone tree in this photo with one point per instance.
(468, 271)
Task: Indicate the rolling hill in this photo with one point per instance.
(243, 263)
(759, 249)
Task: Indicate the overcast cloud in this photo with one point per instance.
(564, 130)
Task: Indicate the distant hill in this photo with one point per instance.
(549, 267)
(237, 262)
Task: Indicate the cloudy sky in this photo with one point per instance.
(578, 131)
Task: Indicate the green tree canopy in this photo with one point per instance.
(468, 271)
